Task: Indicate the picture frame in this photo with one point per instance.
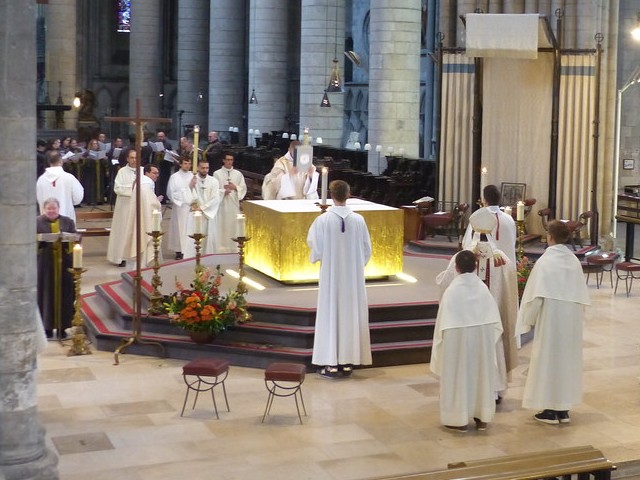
(512, 193)
(628, 164)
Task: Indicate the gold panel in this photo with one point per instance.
(278, 232)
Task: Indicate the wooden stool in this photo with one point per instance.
(283, 380)
(600, 264)
(205, 367)
(629, 270)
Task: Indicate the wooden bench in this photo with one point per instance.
(581, 461)
(95, 215)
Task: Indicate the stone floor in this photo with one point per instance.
(123, 422)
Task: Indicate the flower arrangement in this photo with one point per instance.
(201, 308)
(524, 270)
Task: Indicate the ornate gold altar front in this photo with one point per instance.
(278, 231)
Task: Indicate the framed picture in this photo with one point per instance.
(512, 193)
(628, 164)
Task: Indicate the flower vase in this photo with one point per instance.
(202, 337)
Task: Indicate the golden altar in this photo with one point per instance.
(278, 231)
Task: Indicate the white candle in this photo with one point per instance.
(241, 226)
(77, 256)
(157, 218)
(483, 179)
(323, 185)
(520, 211)
(197, 221)
(196, 141)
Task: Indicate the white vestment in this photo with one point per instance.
(63, 186)
(463, 355)
(177, 191)
(339, 239)
(554, 301)
(281, 183)
(206, 195)
(227, 222)
(148, 203)
(123, 188)
(504, 234)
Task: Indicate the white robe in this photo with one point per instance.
(206, 195)
(340, 240)
(554, 301)
(57, 183)
(177, 191)
(504, 235)
(463, 355)
(148, 203)
(226, 223)
(123, 187)
(281, 183)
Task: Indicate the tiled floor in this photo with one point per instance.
(123, 422)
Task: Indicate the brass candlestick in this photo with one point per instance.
(242, 287)
(155, 306)
(79, 345)
(520, 230)
(197, 238)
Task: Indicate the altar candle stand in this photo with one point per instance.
(197, 239)
(79, 345)
(520, 228)
(156, 297)
(242, 287)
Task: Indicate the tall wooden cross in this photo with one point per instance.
(138, 121)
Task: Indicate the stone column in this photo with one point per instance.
(227, 70)
(145, 65)
(193, 62)
(394, 76)
(268, 63)
(23, 453)
(322, 38)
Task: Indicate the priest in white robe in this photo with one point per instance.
(463, 355)
(339, 240)
(178, 192)
(285, 182)
(554, 301)
(232, 190)
(61, 185)
(123, 188)
(203, 196)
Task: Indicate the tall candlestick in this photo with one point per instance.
(77, 256)
(157, 218)
(196, 140)
(305, 136)
(197, 222)
(324, 185)
(520, 211)
(241, 226)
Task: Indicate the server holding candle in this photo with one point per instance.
(55, 258)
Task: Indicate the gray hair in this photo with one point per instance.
(51, 200)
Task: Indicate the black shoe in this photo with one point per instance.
(480, 425)
(461, 429)
(123, 263)
(346, 370)
(547, 416)
(498, 400)
(179, 256)
(563, 416)
(328, 372)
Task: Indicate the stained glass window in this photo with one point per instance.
(124, 15)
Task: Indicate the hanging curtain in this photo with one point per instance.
(458, 76)
(575, 135)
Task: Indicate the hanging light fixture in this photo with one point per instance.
(335, 83)
(253, 100)
(325, 103)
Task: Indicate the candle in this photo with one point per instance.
(157, 218)
(77, 256)
(196, 140)
(305, 137)
(241, 226)
(520, 211)
(323, 185)
(483, 179)
(197, 221)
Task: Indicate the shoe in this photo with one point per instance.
(563, 416)
(123, 263)
(179, 256)
(346, 370)
(480, 425)
(328, 372)
(49, 333)
(461, 429)
(498, 400)
(547, 416)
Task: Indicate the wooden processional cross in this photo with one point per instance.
(138, 121)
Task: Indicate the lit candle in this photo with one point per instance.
(323, 185)
(197, 222)
(156, 220)
(520, 211)
(241, 226)
(77, 256)
(196, 141)
(483, 179)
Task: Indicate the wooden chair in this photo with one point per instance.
(448, 222)
(546, 214)
(576, 226)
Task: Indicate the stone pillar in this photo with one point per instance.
(23, 453)
(227, 71)
(268, 63)
(61, 55)
(394, 76)
(193, 62)
(145, 65)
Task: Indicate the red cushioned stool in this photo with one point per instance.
(601, 263)
(283, 380)
(629, 270)
(203, 369)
